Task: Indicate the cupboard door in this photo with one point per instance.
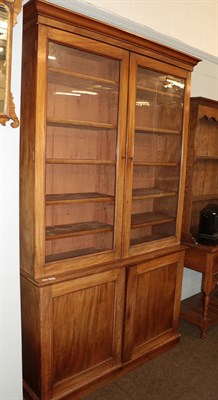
(84, 148)
(152, 304)
(86, 317)
(155, 148)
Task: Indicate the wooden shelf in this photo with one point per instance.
(192, 309)
(160, 92)
(210, 158)
(78, 229)
(145, 239)
(150, 218)
(205, 197)
(149, 130)
(66, 198)
(71, 254)
(85, 162)
(71, 123)
(146, 193)
(155, 164)
(68, 78)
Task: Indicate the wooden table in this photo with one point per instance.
(202, 309)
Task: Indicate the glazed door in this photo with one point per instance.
(84, 142)
(155, 167)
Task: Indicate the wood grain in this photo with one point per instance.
(153, 291)
(65, 198)
(62, 231)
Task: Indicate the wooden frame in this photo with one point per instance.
(9, 9)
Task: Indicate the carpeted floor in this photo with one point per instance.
(187, 372)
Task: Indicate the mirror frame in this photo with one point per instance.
(13, 8)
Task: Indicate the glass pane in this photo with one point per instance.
(3, 56)
(81, 141)
(77, 229)
(157, 155)
(83, 63)
(81, 144)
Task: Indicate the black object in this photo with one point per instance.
(208, 227)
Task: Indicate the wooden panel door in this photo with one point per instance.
(85, 336)
(157, 136)
(152, 305)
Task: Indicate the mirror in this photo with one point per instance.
(9, 9)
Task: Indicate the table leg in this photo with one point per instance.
(206, 299)
(207, 288)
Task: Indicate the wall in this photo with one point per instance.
(191, 22)
(10, 338)
(205, 79)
